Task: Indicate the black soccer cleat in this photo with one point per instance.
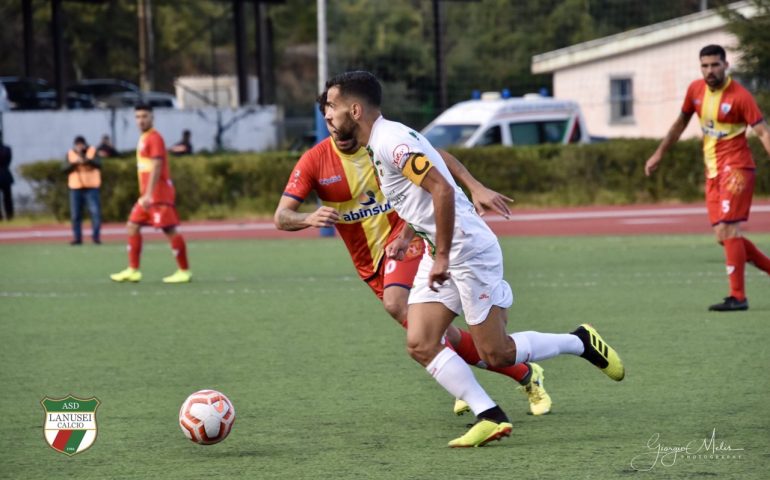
(730, 304)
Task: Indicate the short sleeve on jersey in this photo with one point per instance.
(688, 106)
(300, 182)
(751, 113)
(154, 147)
(416, 167)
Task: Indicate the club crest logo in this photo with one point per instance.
(400, 153)
(725, 107)
(70, 423)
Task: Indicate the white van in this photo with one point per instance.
(493, 120)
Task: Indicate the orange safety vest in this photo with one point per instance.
(82, 175)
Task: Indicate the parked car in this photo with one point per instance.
(114, 93)
(37, 94)
(493, 120)
(153, 99)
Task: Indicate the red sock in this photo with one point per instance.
(466, 349)
(735, 259)
(755, 256)
(134, 250)
(180, 251)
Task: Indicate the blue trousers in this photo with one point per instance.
(89, 196)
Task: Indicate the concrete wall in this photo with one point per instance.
(45, 135)
(661, 75)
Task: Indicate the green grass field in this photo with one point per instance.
(322, 385)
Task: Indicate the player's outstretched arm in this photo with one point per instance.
(484, 198)
(671, 138)
(287, 217)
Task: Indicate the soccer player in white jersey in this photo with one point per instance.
(462, 271)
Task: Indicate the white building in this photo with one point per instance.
(632, 84)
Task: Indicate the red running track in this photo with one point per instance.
(633, 220)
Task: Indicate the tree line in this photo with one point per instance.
(488, 44)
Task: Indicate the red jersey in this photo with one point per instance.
(724, 115)
(151, 146)
(348, 184)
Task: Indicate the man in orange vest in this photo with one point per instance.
(84, 180)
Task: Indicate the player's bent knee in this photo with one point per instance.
(421, 352)
(395, 309)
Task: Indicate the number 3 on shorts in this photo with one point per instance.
(725, 206)
(156, 217)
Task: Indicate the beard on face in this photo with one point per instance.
(714, 80)
(346, 130)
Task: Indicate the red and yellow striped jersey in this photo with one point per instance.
(348, 184)
(151, 146)
(724, 115)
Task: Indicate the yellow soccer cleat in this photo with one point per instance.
(481, 433)
(127, 275)
(180, 276)
(598, 352)
(461, 407)
(539, 400)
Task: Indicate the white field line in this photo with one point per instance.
(661, 213)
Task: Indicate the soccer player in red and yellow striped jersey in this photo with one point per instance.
(155, 206)
(726, 111)
(341, 174)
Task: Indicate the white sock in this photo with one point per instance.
(452, 373)
(534, 346)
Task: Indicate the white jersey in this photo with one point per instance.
(392, 147)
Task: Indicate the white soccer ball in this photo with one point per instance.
(206, 417)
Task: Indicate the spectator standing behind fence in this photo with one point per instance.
(84, 180)
(105, 149)
(183, 146)
(6, 180)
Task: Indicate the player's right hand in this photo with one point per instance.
(439, 272)
(323, 217)
(652, 164)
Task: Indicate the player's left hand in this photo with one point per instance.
(485, 199)
(439, 273)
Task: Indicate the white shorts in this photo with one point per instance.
(473, 287)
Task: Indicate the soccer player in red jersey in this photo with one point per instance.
(725, 110)
(340, 172)
(155, 206)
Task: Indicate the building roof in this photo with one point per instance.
(638, 38)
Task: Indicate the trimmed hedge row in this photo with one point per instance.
(223, 185)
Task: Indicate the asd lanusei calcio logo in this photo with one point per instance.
(70, 423)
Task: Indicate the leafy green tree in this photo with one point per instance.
(754, 44)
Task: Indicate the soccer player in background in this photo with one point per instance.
(155, 206)
(462, 270)
(340, 172)
(725, 109)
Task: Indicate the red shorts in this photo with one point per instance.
(159, 215)
(398, 273)
(728, 196)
